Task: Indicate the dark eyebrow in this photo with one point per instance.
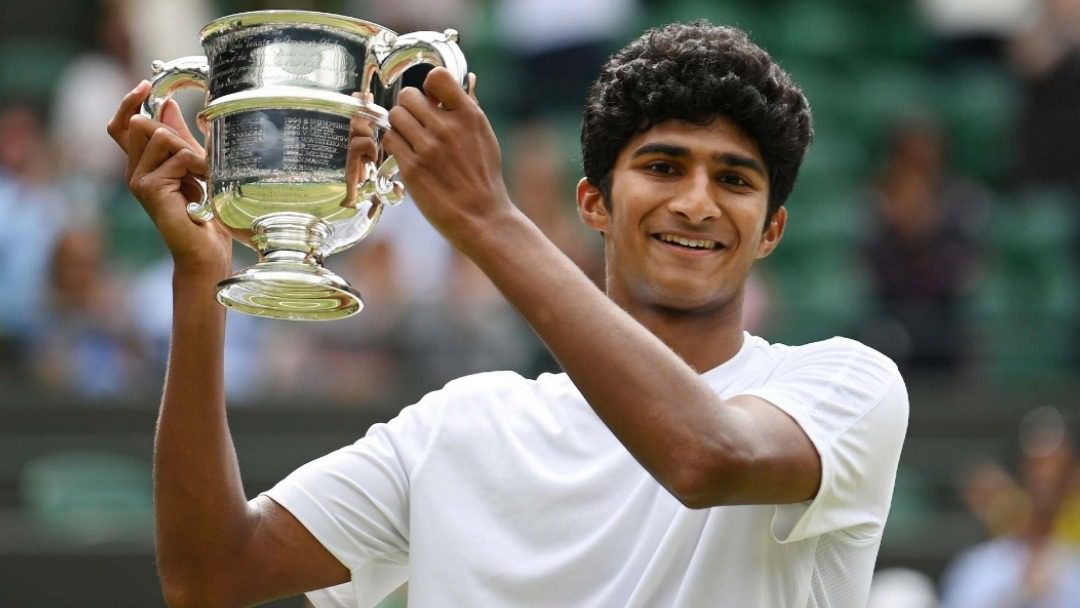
(740, 160)
(662, 149)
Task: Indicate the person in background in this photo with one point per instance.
(1037, 566)
(922, 251)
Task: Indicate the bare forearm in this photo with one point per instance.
(199, 501)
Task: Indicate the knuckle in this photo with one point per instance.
(137, 184)
(397, 113)
(138, 121)
(426, 148)
(160, 134)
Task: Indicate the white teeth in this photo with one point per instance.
(685, 242)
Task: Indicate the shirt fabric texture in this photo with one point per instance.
(503, 491)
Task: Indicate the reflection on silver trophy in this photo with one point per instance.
(284, 91)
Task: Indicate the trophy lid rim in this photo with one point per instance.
(236, 21)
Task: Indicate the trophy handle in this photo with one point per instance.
(168, 78)
(406, 51)
(380, 184)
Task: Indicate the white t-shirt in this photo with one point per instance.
(503, 491)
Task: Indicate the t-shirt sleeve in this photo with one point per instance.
(852, 403)
(355, 500)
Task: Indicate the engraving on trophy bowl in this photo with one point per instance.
(245, 59)
(280, 161)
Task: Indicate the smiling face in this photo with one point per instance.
(686, 218)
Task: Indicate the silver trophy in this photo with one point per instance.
(284, 91)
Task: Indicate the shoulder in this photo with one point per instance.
(486, 386)
(837, 361)
(838, 349)
(837, 382)
(475, 397)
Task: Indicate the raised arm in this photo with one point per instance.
(703, 450)
(213, 547)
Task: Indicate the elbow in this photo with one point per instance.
(693, 489)
(705, 479)
(189, 593)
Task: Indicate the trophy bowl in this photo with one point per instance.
(286, 92)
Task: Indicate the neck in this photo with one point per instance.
(704, 339)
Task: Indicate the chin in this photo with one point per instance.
(688, 302)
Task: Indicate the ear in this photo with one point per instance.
(591, 208)
(773, 233)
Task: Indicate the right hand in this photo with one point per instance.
(164, 162)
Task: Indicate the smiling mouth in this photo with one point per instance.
(688, 243)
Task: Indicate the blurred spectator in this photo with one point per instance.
(404, 16)
(976, 29)
(165, 29)
(360, 359)
(922, 251)
(33, 214)
(539, 185)
(1034, 567)
(85, 342)
(248, 355)
(85, 98)
(557, 47)
(420, 256)
(995, 499)
(1046, 56)
(472, 329)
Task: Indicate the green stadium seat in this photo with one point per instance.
(1027, 306)
(979, 105)
(823, 31)
(89, 497)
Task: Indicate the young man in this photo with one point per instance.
(678, 462)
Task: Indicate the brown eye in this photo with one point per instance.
(733, 179)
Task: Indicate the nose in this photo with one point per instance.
(696, 199)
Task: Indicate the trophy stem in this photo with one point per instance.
(295, 232)
(289, 282)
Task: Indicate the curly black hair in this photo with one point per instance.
(696, 72)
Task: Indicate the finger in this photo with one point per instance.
(192, 188)
(171, 116)
(161, 147)
(140, 128)
(422, 108)
(129, 106)
(168, 177)
(408, 128)
(393, 143)
(442, 85)
(472, 87)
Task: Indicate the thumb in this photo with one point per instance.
(173, 118)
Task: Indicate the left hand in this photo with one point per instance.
(448, 156)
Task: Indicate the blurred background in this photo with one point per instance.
(936, 218)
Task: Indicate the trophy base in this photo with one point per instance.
(290, 289)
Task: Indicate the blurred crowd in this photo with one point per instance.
(1031, 520)
(85, 302)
